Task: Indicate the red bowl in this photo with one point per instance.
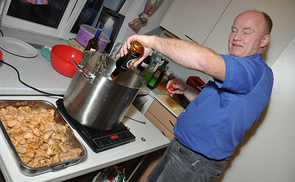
(1, 54)
(61, 59)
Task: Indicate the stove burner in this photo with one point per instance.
(96, 139)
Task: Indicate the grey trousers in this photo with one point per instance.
(182, 164)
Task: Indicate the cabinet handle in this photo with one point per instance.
(164, 134)
(171, 123)
(191, 39)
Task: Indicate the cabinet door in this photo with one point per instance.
(282, 14)
(159, 125)
(195, 18)
(163, 115)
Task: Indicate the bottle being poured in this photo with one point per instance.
(124, 63)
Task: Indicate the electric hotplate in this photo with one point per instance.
(97, 140)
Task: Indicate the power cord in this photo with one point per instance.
(29, 85)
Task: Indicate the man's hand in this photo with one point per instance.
(145, 42)
(179, 87)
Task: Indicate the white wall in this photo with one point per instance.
(267, 152)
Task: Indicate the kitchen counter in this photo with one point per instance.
(148, 139)
(39, 73)
(36, 72)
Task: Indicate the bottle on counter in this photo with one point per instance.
(147, 72)
(92, 44)
(153, 62)
(124, 63)
(157, 76)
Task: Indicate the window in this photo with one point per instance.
(57, 18)
(48, 13)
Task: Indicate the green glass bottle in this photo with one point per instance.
(157, 76)
(92, 44)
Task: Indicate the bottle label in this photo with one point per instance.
(91, 49)
(157, 74)
(130, 63)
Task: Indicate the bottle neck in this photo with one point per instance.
(164, 64)
(98, 33)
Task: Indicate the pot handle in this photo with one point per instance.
(88, 75)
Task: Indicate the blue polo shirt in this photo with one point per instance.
(215, 122)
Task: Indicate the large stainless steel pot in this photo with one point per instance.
(93, 98)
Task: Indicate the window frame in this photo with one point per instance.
(64, 29)
(70, 15)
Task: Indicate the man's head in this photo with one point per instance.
(250, 33)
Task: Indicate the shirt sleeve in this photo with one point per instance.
(242, 74)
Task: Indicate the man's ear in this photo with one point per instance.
(265, 40)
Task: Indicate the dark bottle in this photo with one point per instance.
(92, 44)
(157, 76)
(124, 63)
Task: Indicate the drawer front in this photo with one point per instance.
(159, 125)
(163, 115)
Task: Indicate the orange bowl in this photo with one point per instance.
(61, 59)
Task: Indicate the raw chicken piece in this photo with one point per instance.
(26, 159)
(13, 123)
(56, 158)
(11, 110)
(36, 131)
(47, 135)
(29, 135)
(34, 163)
(41, 153)
(21, 140)
(20, 149)
(73, 153)
(33, 146)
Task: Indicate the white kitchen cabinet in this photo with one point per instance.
(282, 14)
(209, 22)
(195, 18)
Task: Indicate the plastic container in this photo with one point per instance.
(87, 32)
(103, 42)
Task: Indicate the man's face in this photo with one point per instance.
(247, 36)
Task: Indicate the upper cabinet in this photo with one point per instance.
(194, 18)
(282, 14)
(209, 22)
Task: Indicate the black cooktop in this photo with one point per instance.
(97, 140)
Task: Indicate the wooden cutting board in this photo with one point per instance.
(170, 104)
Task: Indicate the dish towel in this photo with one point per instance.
(149, 8)
(40, 2)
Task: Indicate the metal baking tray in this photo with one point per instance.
(72, 140)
